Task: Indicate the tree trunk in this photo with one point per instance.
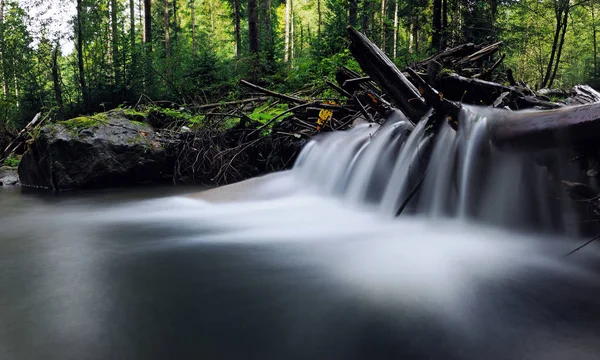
(132, 29)
(167, 39)
(352, 12)
(56, 81)
(148, 25)
(237, 25)
(141, 20)
(444, 41)
(2, 52)
(212, 17)
(115, 42)
(267, 37)
(292, 38)
(364, 16)
(382, 25)
(395, 46)
(411, 31)
(253, 27)
(319, 20)
(594, 32)
(174, 17)
(560, 45)
(436, 37)
(79, 46)
(193, 18)
(288, 9)
(559, 10)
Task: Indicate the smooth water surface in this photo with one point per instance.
(127, 274)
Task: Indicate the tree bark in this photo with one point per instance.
(132, 29)
(292, 37)
(79, 46)
(395, 46)
(436, 37)
(141, 20)
(148, 25)
(559, 10)
(382, 25)
(444, 40)
(236, 27)
(174, 17)
(319, 20)
(566, 126)
(193, 18)
(267, 37)
(2, 52)
(167, 39)
(352, 12)
(288, 10)
(115, 42)
(383, 71)
(56, 80)
(561, 43)
(594, 32)
(253, 27)
(411, 31)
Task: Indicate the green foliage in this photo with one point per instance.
(12, 160)
(267, 112)
(203, 66)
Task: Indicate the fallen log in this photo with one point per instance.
(230, 103)
(383, 71)
(583, 94)
(562, 127)
(286, 98)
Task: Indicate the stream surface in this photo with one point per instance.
(310, 264)
(143, 274)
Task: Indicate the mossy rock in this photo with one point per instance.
(102, 150)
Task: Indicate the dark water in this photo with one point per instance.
(109, 275)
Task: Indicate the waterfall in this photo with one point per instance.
(445, 173)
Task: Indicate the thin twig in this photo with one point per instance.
(582, 246)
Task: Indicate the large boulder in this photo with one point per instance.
(97, 151)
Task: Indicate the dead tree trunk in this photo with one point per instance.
(383, 71)
(566, 126)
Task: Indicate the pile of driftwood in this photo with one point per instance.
(466, 74)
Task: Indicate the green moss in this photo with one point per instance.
(134, 113)
(84, 122)
(138, 123)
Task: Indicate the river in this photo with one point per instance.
(309, 264)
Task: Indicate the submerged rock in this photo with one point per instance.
(97, 151)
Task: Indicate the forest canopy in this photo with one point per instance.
(97, 55)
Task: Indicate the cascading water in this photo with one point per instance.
(459, 173)
(312, 263)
